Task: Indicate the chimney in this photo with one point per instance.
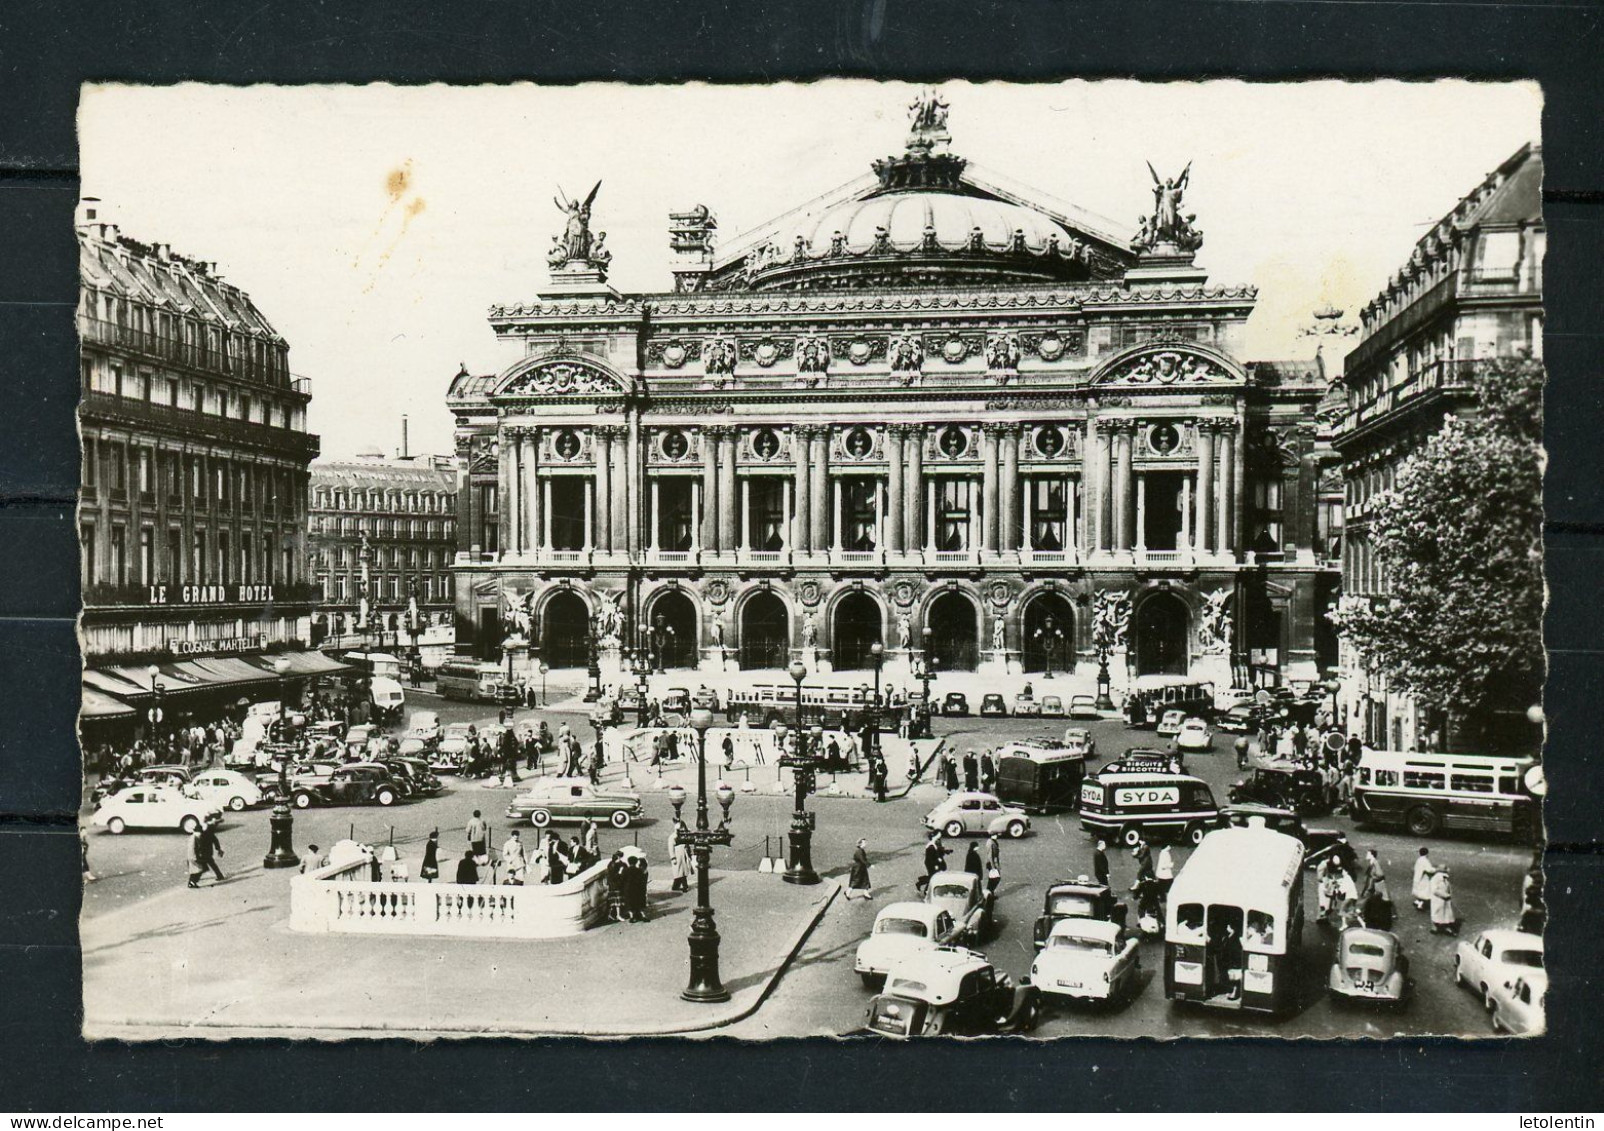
(405, 453)
(88, 214)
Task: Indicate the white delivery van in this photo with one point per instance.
(387, 697)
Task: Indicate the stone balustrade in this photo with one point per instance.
(340, 899)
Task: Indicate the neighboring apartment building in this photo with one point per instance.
(1471, 290)
(192, 513)
(401, 513)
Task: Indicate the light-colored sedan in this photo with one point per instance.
(964, 897)
(574, 799)
(1084, 707)
(1087, 960)
(152, 807)
(1496, 956)
(900, 930)
(1518, 1004)
(1169, 723)
(1194, 735)
(1079, 739)
(228, 788)
(965, 813)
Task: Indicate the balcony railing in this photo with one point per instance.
(198, 356)
(1440, 376)
(198, 425)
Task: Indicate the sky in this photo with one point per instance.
(375, 225)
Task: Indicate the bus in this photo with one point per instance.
(834, 707)
(377, 664)
(472, 680)
(1039, 776)
(1234, 922)
(1432, 793)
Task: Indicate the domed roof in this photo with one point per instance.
(925, 220)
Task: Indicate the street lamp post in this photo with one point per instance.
(1105, 701)
(804, 766)
(1050, 636)
(704, 984)
(642, 690)
(281, 825)
(544, 668)
(877, 653)
(661, 630)
(155, 706)
(593, 692)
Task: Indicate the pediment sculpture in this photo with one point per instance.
(1168, 367)
(569, 377)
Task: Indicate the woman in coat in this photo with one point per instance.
(617, 878)
(1444, 915)
(972, 863)
(858, 878)
(679, 859)
(196, 864)
(1420, 888)
(430, 870)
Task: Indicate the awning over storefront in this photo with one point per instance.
(302, 664)
(131, 684)
(99, 705)
(116, 686)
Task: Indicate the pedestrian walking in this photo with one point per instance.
(858, 878)
(993, 863)
(1444, 915)
(513, 861)
(193, 858)
(592, 839)
(971, 771)
(638, 885)
(508, 749)
(1100, 862)
(949, 768)
(1241, 745)
(467, 869)
(973, 864)
(83, 856)
(1420, 885)
(914, 771)
(988, 772)
(479, 838)
(935, 861)
(1143, 854)
(430, 871)
(679, 858)
(556, 860)
(617, 878)
(211, 848)
(1165, 870)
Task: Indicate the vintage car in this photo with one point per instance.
(1194, 735)
(1244, 718)
(964, 813)
(1518, 1004)
(993, 706)
(455, 740)
(356, 783)
(1080, 898)
(414, 774)
(1317, 843)
(963, 896)
(411, 746)
(1370, 967)
(1283, 785)
(901, 929)
(1494, 957)
(228, 788)
(1027, 707)
(955, 704)
(424, 725)
(153, 807)
(176, 776)
(1080, 739)
(1087, 959)
(1052, 707)
(574, 799)
(1170, 722)
(359, 736)
(1084, 707)
(953, 991)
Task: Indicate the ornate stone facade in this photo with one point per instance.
(805, 452)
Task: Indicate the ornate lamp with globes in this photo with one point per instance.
(704, 984)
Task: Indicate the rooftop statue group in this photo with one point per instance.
(575, 246)
(1167, 225)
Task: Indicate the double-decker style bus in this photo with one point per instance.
(1432, 793)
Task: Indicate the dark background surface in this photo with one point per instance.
(47, 49)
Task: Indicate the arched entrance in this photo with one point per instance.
(672, 629)
(858, 627)
(565, 631)
(1048, 634)
(1161, 625)
(765, 632)
(954, 633)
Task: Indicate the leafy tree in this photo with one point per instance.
(1460, 536)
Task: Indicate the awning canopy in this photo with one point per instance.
(302, 664)
(204, 673)
(116, 686)
(99, 705)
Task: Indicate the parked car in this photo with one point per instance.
(1194, 736)
(1081, 898)
(964, 813)
(1084, 707)
(574, 799)
(1087, 960)
(1080, 739)
(411, 746)
(358, 738)
(1496, 956)
(964, 897)
(1052, 707)
(358, 783)
(1242, 719)
(152, 807)
(1027, 707)
(901, 929)
(414, 773)
(170, 775)
(1169, 723)
(993, 706)
(1370, 967)
(228, 788)
(955, 704)
(454, 741)
(425, 725)
(1518, 1004)
(950, 991)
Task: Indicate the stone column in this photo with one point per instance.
(1105, 485)
(727, 499)
(1008, 518)
(800, 518)
(1238, 487)
(534, 538)
(818, 468)
(709, 515)
(989, 490)
(1227, 505)
(505, 457)
(1123, 493)
(635, 493)
(1205, 486)
(1086, 535)
(476, 519)
(603, 451)
(895, 473)
(913, 501)
(619, 507)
